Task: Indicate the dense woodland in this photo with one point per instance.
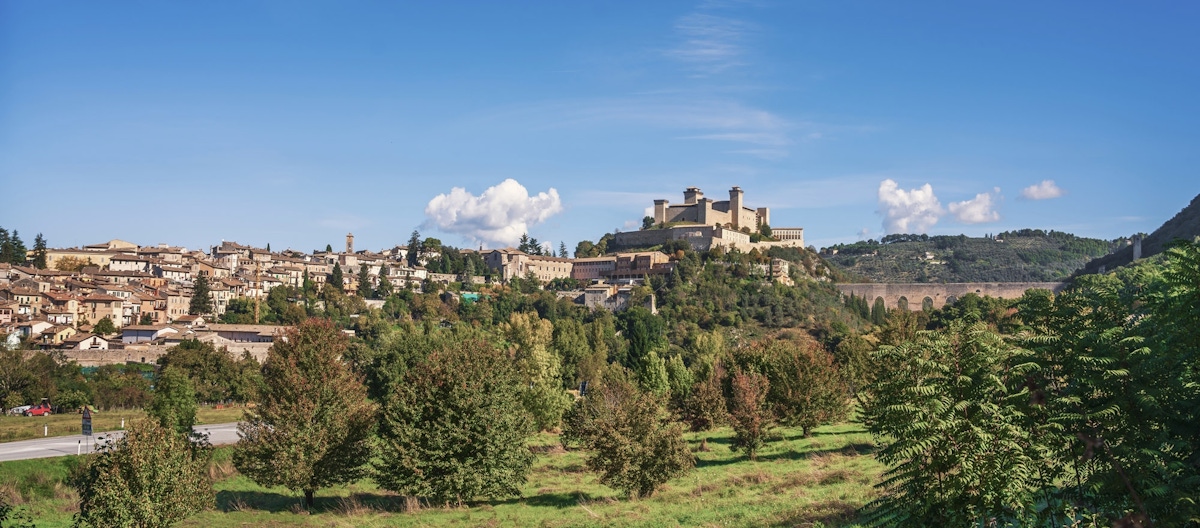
(1027, 255)
(1075, 409)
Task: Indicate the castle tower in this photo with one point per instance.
(660, 211)
(735, 207)
(1137, 247)
(691, 195)
(349, 243)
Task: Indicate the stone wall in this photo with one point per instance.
(896, 295)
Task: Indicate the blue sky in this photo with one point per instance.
(291, 123)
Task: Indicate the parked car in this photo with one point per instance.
(41, 409)
(16, 411)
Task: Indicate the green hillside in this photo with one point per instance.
(1027, 255)
(1185, 225)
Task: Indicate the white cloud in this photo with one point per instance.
(978, 210)
(498, 216)
(1042, 191)
(913, 211)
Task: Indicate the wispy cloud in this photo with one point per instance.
(710, 44)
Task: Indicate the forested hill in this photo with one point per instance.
(1184, 226)
(1027, 255)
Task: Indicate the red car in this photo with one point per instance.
(41, 409)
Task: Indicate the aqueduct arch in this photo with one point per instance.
(939, 295)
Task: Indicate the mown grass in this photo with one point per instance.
(819, 481)
(13, 428)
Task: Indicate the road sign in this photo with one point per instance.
(87, 422)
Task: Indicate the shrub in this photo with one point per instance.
(151, 477)
(635, 445)
(455, 428)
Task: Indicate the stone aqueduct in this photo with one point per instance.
(915, 296)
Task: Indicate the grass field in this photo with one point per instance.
(13, 428)
(817, 481)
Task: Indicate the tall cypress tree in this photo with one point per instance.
(19, 253)
(414, 249)
(39, 252)
(201, 297)
(6, 247)
(336, 278)
(364, 282)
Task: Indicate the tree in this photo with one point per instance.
(104, 326)
(329, 248)
(806, 389)
(765, 230)
(562, 249)
(201, 297)
(19, 253)
(585, 249)
(705, 407)
(414, 249)
(174, 401)
(635, 445)
(335, 277)
(365, 290)
(539, 368)
(71, 264)
(39, 252)
(385, 288)
(150, 477)
(879, 312)
(455, 429)
(748, 411)
(146, 319)
(647, 222)
(954, 435)
(313, 423)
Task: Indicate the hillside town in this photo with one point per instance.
(117, 301)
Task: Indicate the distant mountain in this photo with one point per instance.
(1184, 226)
(1028, 255)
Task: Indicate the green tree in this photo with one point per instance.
(385, 288)
(19, 253)
(201, 297)
(879, 312)
(336, 279)
(313, 423)
(150, 477)
(539, 368)
(146, 319)
(562, 249)
(455, 429)
(174, 401)
(652, 374)
(39, 252)
(414, 249)
(647, 222)
(705, 406)
(365, 290)
(953, 433)
(635, 445)
(104, 326)
(806, 389)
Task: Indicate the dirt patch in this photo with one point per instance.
(827, 513)
(554, 449)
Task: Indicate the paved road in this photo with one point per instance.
(54, 446)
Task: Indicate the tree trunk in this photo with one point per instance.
(308, 499)
(807, 431)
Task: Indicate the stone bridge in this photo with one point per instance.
(918, 295)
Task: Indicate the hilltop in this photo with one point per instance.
(1183, 226)
(1027, 255)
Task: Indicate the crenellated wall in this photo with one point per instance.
(914, 294)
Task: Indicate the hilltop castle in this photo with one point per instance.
(705, 223)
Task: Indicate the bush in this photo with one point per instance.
(151, 477)
(455, 428)
(635, 445)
